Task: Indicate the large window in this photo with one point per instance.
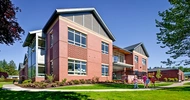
(41, 43)
(41, 70)
(136, 59)
(105, 47)
(105, 70)
(77, 38)
(51, 40)
(76, 67)
(144, 61)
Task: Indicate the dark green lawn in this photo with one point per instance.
(178, 93)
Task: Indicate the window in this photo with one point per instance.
(144, 61)
(105, 70)
(76, 67)
(51, 40)
(77, 38)
(51, 67)
(105, 48)
(136, 59)
(41, 70)
(41, 43)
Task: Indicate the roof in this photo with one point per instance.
(57, 12)
(30, 36)
(121, 49)
(133, 47)
(20, 66)
(161, 69)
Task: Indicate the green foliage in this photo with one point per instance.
(27, 81)
(64, 80)
(176, 79)
(2, 78)
(9, 68)
(165, 79)
(158, 74)
(50, 78)
(174, 31)
(82, 81)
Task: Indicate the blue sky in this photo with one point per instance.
(130, 21)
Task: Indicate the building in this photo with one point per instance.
(4, 75)
(77, 44)
(34, 61)
(187, 75)
(167, 73)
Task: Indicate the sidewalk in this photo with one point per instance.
(13, 87)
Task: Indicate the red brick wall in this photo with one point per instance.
(105, 58)
(77, 52)
(170, 74)
(129, 59)
(139, 66)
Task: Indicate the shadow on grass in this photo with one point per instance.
(23, 95)
(182, 88)
(120, 86)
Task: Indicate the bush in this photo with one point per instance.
(176, 79)
(95, 79)
(88, 81)
(165, 79)
(82, 81)
(64, 80)
(76, 81)
(27, 81)
(50, 78)
(2, 78)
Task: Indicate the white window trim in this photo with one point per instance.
(80, 35)
(81, 63)
(104, 45)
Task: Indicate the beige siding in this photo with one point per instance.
(78, 19)
(88, 21)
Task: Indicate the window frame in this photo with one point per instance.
(136, 58)
(104, 67)
(143, 61)
(81, 36)
(103, 47)
(76, 71)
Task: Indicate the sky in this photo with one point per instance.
(130, 21)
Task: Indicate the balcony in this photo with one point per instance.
(120, 62)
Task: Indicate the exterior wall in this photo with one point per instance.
(169, 74)
(62, 51)
(139, 66)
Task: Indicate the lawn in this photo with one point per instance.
(110, 86)
(178, 93)
(187, 83)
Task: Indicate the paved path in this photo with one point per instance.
(13, 87)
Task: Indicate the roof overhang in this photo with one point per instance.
(30, 37)
(121, 50)
(57, 12)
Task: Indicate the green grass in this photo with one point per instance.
(177, 93)
(187, 83)
(2, 83)
(110, 86)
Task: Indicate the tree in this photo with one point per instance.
(175, 31)
(158, 74)
(10, 68)
(10, 30)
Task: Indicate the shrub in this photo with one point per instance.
(64, 80)
(50, 78)
(53, 85)
(82, 81)
(165, 79)
(27, 81)
(88, 81)
(2, 78)
(76, 81)
(95, 79)
(176, 79)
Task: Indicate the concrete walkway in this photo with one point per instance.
(13, 87)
